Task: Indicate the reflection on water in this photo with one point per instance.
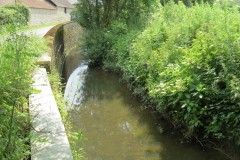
(115, 126)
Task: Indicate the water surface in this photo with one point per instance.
(115, 125)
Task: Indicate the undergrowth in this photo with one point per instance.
(185, 61)
(18, 54)
(188, 63)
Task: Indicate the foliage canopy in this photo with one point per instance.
(100, 13)
(14, 14)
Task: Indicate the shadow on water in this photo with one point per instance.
(117, 128)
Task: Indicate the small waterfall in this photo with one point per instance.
(74, 88)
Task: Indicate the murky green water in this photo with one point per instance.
(117, 128)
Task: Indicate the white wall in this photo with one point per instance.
(44, 16)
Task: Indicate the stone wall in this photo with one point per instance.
(72, 36)
(65, 44)
(44, 16)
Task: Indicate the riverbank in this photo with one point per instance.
(18, 54)
(185, 63)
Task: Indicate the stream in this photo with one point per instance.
(117, 126)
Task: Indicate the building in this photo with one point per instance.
(73, 1)
(45, 11)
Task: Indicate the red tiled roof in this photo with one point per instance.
(37, 4)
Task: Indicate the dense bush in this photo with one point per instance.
(18, 54)
(100, 14)
(189, 3)
(100, 17)
(101, 45)
(95, 38)
(188, 62)
(14, 14)
(118, 37)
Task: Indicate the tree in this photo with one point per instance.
(100, 13)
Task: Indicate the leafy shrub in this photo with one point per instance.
(100, 14)
(188, 63)
(14, 14)
(186, 60)
(103, 20)
(101, 44)
(95, 46)
(116, 36)
(189, 3)
(17, 60)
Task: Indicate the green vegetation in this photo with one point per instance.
(188, 63)
(14, 14)
(18, 54)
(17, 57)
(76, 139)
(97, 16)
(184, 60)
(188, 3)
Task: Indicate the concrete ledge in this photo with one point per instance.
(49, 141)
(45, 59)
